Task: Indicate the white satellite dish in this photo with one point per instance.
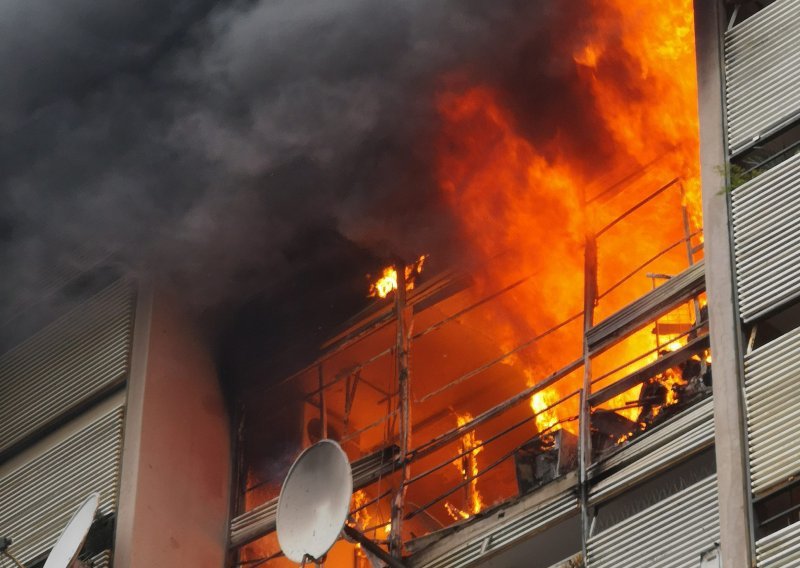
(314, 502)
(70, 542)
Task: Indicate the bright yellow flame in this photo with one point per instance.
(362, 518)
(546, 418)
(671, 378)
(467, 466)
(674, 345)
(384, 285)
(387, 283)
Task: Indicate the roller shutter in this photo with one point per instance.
(39, 497)
(761, 73)
(766, 231)
(76, 358)
(772, 375)
(672, 533)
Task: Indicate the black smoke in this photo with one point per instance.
(205, 141)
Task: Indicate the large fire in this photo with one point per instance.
(527, 209)
(527, 204)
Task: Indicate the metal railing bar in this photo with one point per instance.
(486, 469)
(350, 370)
(655, 349)
(372, 501)
(469, 308)
(491, 439)
(643, 202)
(379, 421)
(470, 374)
(697, 345)
(447, 437)
(643, 265)
(639, 172)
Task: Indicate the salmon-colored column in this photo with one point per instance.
(176, 467)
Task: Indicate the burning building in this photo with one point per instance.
(604, 378)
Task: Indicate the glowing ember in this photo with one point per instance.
(467, 466)
(387, 283)
(455, 512)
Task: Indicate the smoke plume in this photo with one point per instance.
(198, 138)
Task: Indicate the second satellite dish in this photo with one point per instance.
(314, 502)
(70, 542)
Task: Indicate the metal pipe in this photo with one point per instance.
(584, 414)
(507, 354)
(402, 317)
(373, 548)
(643, 202)
(448, 437)
(323, 414)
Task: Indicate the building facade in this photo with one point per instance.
(107, 385)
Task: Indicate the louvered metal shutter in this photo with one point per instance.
(515, 529)
(102, 560)
(78, 356)
(761, 72)
(766, 231)
(672, 533)
(780, 549)
(668, 444)
(772, 376)
(38, 498)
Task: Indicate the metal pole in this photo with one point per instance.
(687, 235)
(403, 317)
(372, 547)
(323, 413)
(585, 445)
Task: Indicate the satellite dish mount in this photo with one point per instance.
(314, 505)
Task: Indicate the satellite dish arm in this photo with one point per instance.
(356, 535)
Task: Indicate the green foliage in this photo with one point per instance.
(740, 175)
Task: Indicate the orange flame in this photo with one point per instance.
(522, 207)
(467, 466)
(362, 519)
(387, 283)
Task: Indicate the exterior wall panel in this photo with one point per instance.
(79, 356)
(664, 447)
(762, 76)
(672, 533)
(766, 227)
(772, 373)
(780, 549)
(39, 496)
(514, 529)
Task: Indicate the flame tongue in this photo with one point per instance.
(467, 466)
(387, 283)
(546, 417)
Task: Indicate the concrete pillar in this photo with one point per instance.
(176, 467)
(729, 417)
